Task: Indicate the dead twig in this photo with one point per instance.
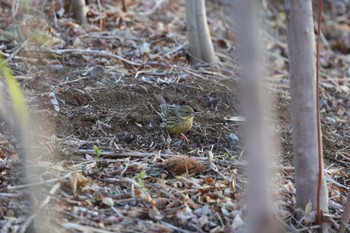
(16, 51)
(75, 226)
(117, 154)
(96, 52)
(38, 183)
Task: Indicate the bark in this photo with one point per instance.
(124, 8)
(201, 46)
(79, 10)
(301, 46)
(259, 192)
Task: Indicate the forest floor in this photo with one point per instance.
(99, 161)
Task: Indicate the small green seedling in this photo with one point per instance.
(139, 179)
(97, 151)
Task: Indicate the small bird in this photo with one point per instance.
(177, 119)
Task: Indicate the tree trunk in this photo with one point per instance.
(249, 48)
(301, 46)
(79, 10)
(201, 46)
(124, 8)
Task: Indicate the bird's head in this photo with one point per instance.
(186, 112)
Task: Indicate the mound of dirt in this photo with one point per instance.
(126, 113)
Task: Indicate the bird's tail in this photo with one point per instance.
(160, 99)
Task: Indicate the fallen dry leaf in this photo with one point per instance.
(77, 182)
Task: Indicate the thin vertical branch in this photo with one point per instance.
(319, 132)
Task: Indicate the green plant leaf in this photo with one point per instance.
(16, 96)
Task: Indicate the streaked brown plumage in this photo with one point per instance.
(177, 119)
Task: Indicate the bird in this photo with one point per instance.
(177, 119)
